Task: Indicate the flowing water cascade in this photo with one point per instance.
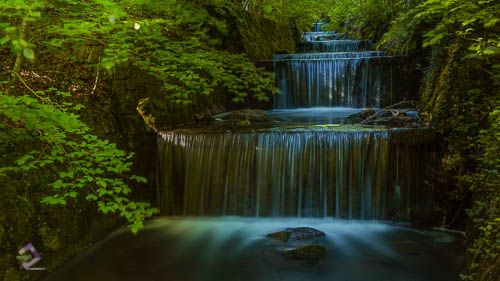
(226, 187)
(307, 170)
(334, 72)
(355, 79)
(356, 174)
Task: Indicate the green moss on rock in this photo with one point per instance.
(308, 252)
(12, 274)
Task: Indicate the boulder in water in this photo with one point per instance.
(308, 252)
(297, 234)
(360, 116)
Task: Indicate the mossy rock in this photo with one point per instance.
(308, 252)
(417, 136)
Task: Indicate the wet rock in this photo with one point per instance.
(360, 116)
(393, 121)
(308, 252)
(246, 115)
(297, 234)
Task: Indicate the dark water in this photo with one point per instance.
(218, 249)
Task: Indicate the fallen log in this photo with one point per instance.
(373, 116)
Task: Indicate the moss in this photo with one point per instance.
(12, 274)
(56, 232)
(308, 252)
(50, 237)
(257, 37)
(414, 137)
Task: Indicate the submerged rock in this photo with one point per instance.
(297, 234)
(308, 252)
(245, 115)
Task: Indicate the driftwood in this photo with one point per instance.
(394, 113)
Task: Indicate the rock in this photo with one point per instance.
(360, 116)
(297, 234)
(247, 115)
(308, 252)
(393, 121)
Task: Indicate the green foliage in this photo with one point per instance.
(485, 211)
(441, 22)
(83, 164)
(177, 42)
(364, 19)
(18, 12)
(173, 41)
(461, 97)
(300, 14)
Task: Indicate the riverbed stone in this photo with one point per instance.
(308, 252)
(297, 234)
(250, 115)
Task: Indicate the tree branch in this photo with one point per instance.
(413, 103)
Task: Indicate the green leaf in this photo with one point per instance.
(4, 39)
(490, 50)
(29, 53)
(267, 9)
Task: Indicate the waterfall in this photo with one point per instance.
(298, 169)
(303, 173)
(334, 72)
(339, 46)
(360, 80)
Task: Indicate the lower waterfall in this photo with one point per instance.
(355, 174)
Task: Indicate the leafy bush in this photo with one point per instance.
(364, 19)
(85, 164)
(485, 211)
(461, 97)
(177, 42)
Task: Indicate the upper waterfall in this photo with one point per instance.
(334, 72)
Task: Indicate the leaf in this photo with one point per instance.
(4, 39)
(490, 50)
(267, 9)
(29, 54)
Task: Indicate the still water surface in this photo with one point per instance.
(236, 249)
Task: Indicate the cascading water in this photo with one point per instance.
(304, 167)
(334, 79)
(305, 171)
(335, 73)
(322, 172)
